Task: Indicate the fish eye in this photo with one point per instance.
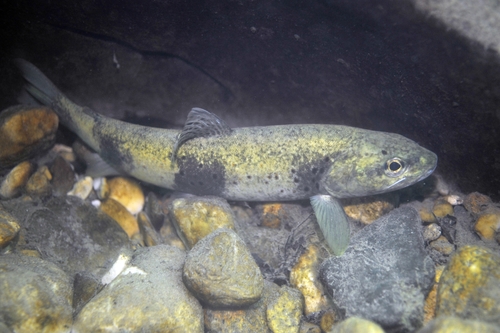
(394, 167)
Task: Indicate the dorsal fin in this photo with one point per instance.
(200, 124)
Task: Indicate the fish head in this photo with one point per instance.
(377, 162)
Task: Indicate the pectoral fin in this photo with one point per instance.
(332, 221)
(200, 123)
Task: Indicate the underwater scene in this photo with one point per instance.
(250, 166)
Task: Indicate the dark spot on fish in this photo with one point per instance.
(281, 191)
(293, 170)
(183, 157)
(200, 165)
(307, 189)
(296, 180)
(317, 186)
(269, 176)
(181, 173)
(196, 178)
(120, 159)
(314, 170)
(201, 183)
(276, 176)
(235, 183)
(321, 170)
(214, 176)
(384, 152)
(266, 182)
(326, 159)
(249, 177)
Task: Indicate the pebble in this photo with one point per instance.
(445, 324)
(221, 272)
(271, 215)
(442, 208)
(454, 199)
(304, 277)
(82, 188)
(430, 301)
(148, 296)
(128, 192)
(13, 184)
(432, 232)
(488, 224)
(63, 176)
(196, 217)
(101, 188)
(38, 184)
(35, 295)
(356, 325)
(25, 131)
(476, 202)
(284, 311)
(9, 227)
(442, 245)
(368, 209)
(387, 261)
(123, 217)
(469, 287)
(426, 215)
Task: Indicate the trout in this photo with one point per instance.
(269, 163)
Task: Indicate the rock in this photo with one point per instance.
(442, 208)
(328, 319)
(306, 327)
(16, 179)
(127, 192)
(85, 287)
(154, 210)
(35, 295)
(285, 311)
(442, 245)
(271, 214)
(69, 232)
(149, 234)
(426, 215)
(249, 320)
(38, 184)
(469, 287)
(221, 272)
(446, 324)
(196, 217)
(148, 296)
(304, 277)
(356, 325)
(123, 217)
(9, 227)
(82, 188)
(63, 176)
(432, 232)
(430, 301)
(385, 273)
(476, 202)
(368, 209)
(488, 224)
(25, 131)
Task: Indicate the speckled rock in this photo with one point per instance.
(285, 310)
(9, 227)
(128, 192)
(446, 324)
(221, 272)
(469, 287)
(356, 325)
(38, 184)
(476, 202)
(148, 296)
(82, 188)
(35, 295)
(249, 320)
(488, 223)
(431, 231)
(14, 182)
(304, 277)
(25, 131)
(196, 217)
(368, 209)
(69, 232)
(385, 273)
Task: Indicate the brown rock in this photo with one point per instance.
(128, 192)
(38, 184)
(476, 202)
(9, 227)
(15, 180)
(368, 209)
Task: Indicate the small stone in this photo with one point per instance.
(15, 180)
(430, 301)
(127, 192)
(488, 224)
(101, 188)
(442, 208)
(85, 287)
(432, 232)
(427, 216)
(285, 310)
(476, 202)
(386, 260)
(153, 209)
(63, 176)
(38, 184)
(328, 320)
(148, 296)
(454, 200)
(169, 235)
(306, 327)
(469, 287)
(82, 188)
(356, 325)
(149, 234)
(25, 131)
(442, 245)
(122, 216)
(444, 324)
(368, 209)
(221, 272)
(35, 295)
(197, 217)
(271, 215)
(304, 277)
(9, 227)
(65, 152)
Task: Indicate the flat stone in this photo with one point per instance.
(221, 272)
(148, 296)
(385, 273)
(469, 287)
(35, 295)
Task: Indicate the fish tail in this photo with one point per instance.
(73, 116)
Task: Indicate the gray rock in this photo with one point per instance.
(221, 272)
(384, 274)
(35, 295)
(148, 296)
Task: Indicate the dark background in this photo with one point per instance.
(379, 65)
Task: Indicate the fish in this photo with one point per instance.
(319, 162)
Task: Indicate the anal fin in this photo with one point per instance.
(332, 221)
